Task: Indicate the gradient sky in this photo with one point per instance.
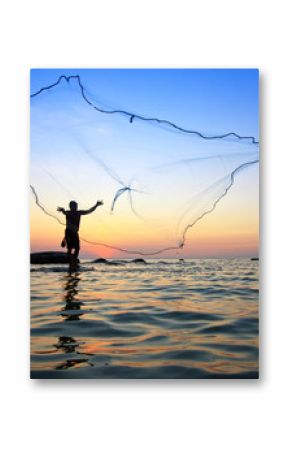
(66, 134)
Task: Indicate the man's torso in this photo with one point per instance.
(73, 221)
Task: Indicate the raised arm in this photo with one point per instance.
(62, 210)
(92, 209)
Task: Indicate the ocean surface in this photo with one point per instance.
(163, 319)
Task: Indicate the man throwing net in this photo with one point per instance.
(73, 216)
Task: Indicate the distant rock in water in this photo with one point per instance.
(105, 261)
(254, 258)
(117, 262)
(47, 257)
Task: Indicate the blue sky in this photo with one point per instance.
(213, 100)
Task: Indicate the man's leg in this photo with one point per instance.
(69, 254)
(76, 253)
(77, 248)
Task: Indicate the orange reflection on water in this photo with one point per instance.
(200, 315)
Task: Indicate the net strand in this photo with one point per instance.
(185, 231)
(133, 116)
(212, 208)
(110, 172)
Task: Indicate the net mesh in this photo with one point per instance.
(156, 177)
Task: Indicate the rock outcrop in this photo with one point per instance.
(47, 257)
(105, 261)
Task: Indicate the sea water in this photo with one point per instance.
(161, 319)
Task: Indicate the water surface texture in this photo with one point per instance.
(163, 319)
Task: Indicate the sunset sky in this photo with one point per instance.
(78, 153)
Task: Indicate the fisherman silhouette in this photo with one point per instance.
(71, 239)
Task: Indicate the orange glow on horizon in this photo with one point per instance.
(227, 232)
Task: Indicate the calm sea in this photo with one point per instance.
(162, 319)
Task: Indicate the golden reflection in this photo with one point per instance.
(201, 317)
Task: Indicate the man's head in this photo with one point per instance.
(73, 205)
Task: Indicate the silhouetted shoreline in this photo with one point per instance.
(61, 257)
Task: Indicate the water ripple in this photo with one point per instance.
(163, 319)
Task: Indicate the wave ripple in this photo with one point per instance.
(163, 319)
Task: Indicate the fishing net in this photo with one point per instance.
(159, 180)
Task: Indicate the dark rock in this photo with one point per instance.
(254, 258)
(105, 261)
(138, 261)
(47, 257)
